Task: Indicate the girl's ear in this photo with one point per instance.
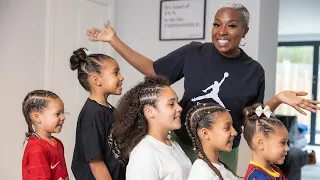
(35, 116)
(204, 133)
(95, 79)
(260, 144)
(148, 112)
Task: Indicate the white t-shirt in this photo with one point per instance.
(201, 170)
(154, 160)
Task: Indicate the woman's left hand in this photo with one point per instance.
(295, 100)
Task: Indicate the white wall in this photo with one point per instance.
(268, 42)
(137, 24)
(299, 20)
(37, 40)
(22, 34)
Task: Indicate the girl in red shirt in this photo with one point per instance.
(43, 156)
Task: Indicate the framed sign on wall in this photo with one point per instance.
(182, 19)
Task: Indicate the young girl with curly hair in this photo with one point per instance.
(144, 117)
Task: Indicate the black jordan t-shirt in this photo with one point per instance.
(234, 83)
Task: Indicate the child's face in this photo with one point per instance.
(111, 79)
(52, 117)
(276, 146)
(222, 133)
(167, 111)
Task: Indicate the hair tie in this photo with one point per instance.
(266, 111)
(88, 53)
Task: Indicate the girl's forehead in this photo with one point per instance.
(167, 92)
(278, 133)
(110, 63)
(221, 119)
(281, 131)
(55, 103)
(223, 116)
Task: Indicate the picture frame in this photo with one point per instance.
(182, 20)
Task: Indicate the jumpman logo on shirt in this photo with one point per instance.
(215, 88)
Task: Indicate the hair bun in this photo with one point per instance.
(78, 57)
(249, 113)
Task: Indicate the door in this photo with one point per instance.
(298, 70)
(67, 23)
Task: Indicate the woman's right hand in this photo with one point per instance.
(138, 61)
(104, 35)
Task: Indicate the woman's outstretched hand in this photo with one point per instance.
(104, 35)
(296, 100)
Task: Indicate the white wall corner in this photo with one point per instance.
(49, 45)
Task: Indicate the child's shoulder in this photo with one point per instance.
(257, 173)
(92, 104)
(274, 167)
(147, 147)
(93, 110)
(144, 153)
(143, 147)
(57, 140)
(34, 144)
(92, 107)
(201, 170)
(277, 169)
(199, 164)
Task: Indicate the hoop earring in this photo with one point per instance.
(245, 41)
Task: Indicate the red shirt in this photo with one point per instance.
(44, 160)
(256, 171)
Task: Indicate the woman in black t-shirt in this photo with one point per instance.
(218, 72)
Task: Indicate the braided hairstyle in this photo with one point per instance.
(200, 116)
(130, 123)
(86, 64)
(264, 125)
(35, 101)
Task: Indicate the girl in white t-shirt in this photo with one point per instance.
(210, 128)
(144, 117)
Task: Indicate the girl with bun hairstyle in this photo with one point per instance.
(93, 158)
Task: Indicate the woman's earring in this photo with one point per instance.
(243, 41)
